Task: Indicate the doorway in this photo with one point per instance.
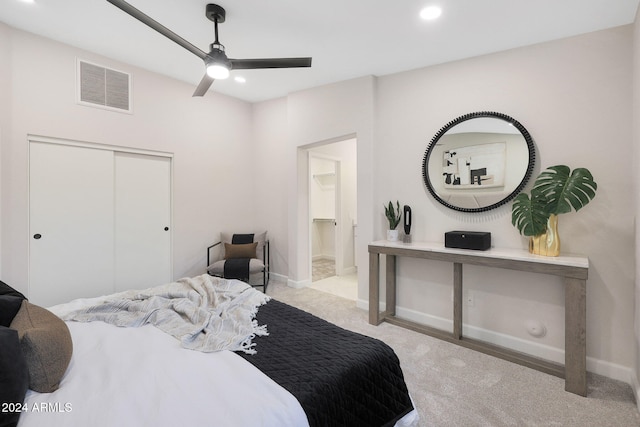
(333, 217)
(324, 200)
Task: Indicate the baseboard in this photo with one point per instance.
(597, 366)
(612, 370)
(635, 386)
(323, 257)
(299, 283)
(349, 270)
(281, 278)
(278, 278)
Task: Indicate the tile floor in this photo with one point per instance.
(322, 268)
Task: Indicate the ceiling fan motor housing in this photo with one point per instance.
(217, 56)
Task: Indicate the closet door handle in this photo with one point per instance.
(37, 236)
(166, 229)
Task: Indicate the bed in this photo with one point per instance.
(294, 369)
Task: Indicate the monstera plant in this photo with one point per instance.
(557, 190)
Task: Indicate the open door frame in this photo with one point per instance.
(338, 226)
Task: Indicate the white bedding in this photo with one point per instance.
(143, 377)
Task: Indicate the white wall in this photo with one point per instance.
(5, 113)
(573, 97)
(328, 114)
(322, 187)
(271, 180)
(578, 112)
(636, 192)
(210, 138)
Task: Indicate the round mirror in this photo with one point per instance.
(478, 162)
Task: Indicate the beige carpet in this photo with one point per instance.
(454, 386)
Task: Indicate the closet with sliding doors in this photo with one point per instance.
(99, 219)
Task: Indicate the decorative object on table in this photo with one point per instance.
(477, 240)
(407, 224)
(393, 216)
(556, 190)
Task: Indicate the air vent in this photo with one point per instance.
(103, 87)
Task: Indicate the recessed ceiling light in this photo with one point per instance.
(28, 1)
(430, 12)
(240, 79)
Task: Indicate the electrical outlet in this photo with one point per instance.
(470, 300)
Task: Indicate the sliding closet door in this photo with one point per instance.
(71, 224)
(99, 221)
(142, 221)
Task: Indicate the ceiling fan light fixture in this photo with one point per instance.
(430, 13)
(218, 65)
(217, 71)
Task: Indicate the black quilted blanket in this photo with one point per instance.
(340, 378)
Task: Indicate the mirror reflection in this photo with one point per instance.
(478, 162)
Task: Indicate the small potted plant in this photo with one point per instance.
(393, 216)
(556, 191)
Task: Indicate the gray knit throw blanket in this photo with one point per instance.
(205, 313)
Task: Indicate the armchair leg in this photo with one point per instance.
(264, 281)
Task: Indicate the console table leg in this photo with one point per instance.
(457, 300)
(575, 300)
(391, 285)
(374, 288)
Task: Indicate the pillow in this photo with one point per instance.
(9, 306)
(14, 376)
(257, 237)
(46, 344)
(8, 290)
(247, 250)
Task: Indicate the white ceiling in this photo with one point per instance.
(346, 38)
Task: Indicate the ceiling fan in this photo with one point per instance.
(216, 61)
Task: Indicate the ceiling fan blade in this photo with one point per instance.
(248, 64)
(126, 7)
(203, 86)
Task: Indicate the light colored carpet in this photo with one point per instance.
(455, 386)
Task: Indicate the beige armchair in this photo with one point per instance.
(240, 256)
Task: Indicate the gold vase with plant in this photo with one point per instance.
(556, 191)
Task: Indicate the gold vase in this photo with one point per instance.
(547, 244)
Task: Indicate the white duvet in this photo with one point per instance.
(142, 377)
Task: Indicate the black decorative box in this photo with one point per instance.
(477, 240)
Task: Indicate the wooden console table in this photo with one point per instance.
(573, 269)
